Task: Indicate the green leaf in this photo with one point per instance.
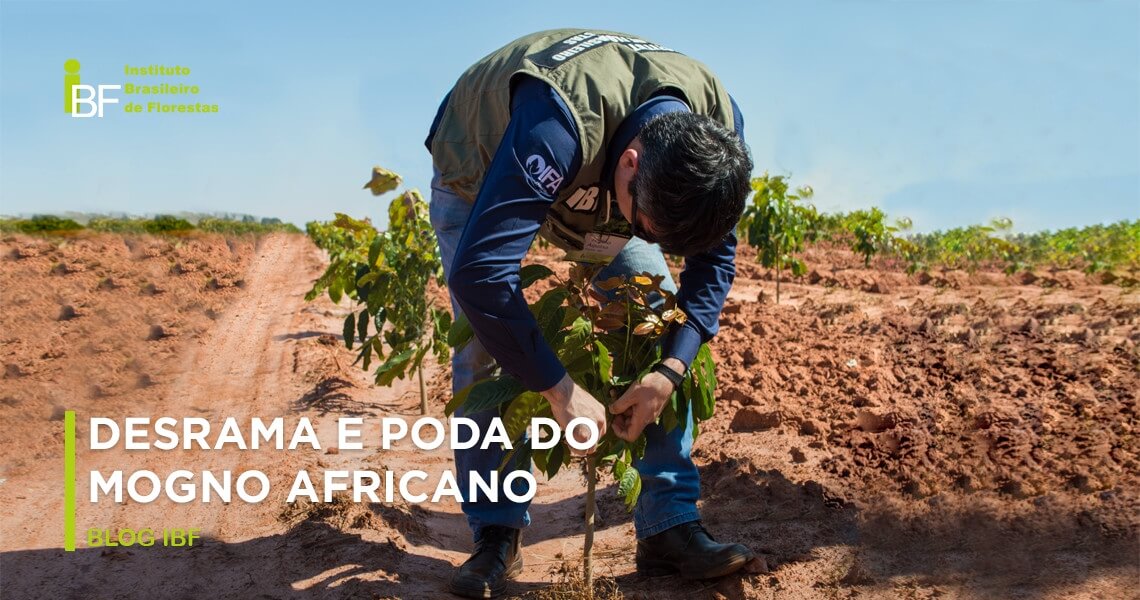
(704, 373)
(574, 346)
(365, 355)
(608, 449)
(579, 334)
(393, 367)
(418, 359)
(548, 311)
(603, 362)
(580, 367)
(336, 290)
(460, 333)
(669, 415)
(519, 413)
(637, 448)
(458, 399)
(524, 453)
(349, 326)
(486, 394)
(629, 485)
(382, 181)
(346, 222)
(375, 249)
(532, 273)
(362, 326)
(367, 279)
(540, 459)
(377, 346)
(441, 319)
(553, 325)
(554, 461)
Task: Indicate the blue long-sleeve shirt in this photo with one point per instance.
(508, 212)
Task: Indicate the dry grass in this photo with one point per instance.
(344, 514)
(567, 583)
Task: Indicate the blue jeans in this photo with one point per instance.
(670, 484)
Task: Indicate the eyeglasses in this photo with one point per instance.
(633, 223)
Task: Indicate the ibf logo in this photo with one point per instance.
(584, 199)
(77, 94)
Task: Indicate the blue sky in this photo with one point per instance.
(946, 112)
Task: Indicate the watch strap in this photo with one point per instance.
(670, 374)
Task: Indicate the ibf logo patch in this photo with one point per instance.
(584, 199)
(543, 177)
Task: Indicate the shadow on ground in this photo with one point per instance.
(328, 396)
(984, 550)
(980, 551)
(312, 560)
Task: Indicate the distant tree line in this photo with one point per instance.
(227, 223)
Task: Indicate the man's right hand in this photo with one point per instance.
(569, 401)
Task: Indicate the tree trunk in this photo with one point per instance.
(779, 267)
(423, 390)
(588, 545)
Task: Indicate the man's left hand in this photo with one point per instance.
(642, 403)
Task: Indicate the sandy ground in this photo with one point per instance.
(969, 437)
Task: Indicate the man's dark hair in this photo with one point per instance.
(691, 181)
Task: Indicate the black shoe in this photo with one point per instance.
(496, 560)
(690, 551)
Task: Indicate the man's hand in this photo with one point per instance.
(569, 401)
(643, 402)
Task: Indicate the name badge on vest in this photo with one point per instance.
(599, 248)
(590, 209)
(608, 237)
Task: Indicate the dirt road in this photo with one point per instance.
(238, 368)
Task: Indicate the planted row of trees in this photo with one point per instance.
(780, 220)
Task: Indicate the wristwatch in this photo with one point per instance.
(670, 374)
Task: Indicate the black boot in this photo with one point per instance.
(690, 551)
(497, 559)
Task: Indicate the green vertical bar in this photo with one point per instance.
(69, 481)
(71, 79)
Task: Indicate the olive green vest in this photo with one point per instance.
(603, 77)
